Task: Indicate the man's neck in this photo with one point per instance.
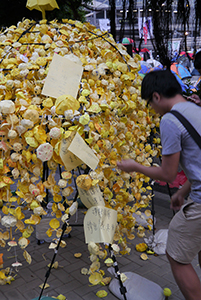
(170, 102)
(177, 99)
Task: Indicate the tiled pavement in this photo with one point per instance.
(68, 280)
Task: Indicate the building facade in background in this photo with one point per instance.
(99, 16)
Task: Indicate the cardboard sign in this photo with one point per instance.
(99, 224)
(74, 152)
(92, 197)
(63, 77)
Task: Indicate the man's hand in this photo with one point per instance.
(195, 99)
(177, 200)
(128, 165)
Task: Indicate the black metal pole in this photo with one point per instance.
(115, 265)
(53, 259)
(112, 18)
(153, 211)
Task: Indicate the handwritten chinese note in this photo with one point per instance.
(74, 152)
(63, 77)
(92, 197)
(79, 148)
(100, 224)
(70, 160)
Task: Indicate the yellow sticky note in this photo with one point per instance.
(70, 160)
(74, 152)
(83, 152)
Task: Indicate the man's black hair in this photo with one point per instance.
(163, 82)
(197, 61)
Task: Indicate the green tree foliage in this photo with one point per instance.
(13, 11)
(69, 9)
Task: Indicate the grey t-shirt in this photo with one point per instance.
(175, 138)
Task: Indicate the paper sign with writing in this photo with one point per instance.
(83, 151)
(92, 197)
(74, 152)
(70, 160)
(63, 77)
(99, 224)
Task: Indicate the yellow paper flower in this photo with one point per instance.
(66, 102)
(101, 294)
(141, 247)
(27, 256)
(84, 120)
(95, 278)
(54, 223)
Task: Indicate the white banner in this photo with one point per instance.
(104, 24)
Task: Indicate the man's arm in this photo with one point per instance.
(166, 172)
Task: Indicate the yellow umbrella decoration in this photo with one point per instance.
(42, 5)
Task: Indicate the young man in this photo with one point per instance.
(162, 92)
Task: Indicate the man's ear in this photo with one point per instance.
(156, 97)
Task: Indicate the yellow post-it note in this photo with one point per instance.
(99, 224)
(63, 77)
(83, 151)
(74, 152)
(70, 160)
(92, 197)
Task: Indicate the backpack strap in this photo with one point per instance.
(192, 131)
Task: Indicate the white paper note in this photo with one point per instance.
(99, 224)
(63, 77)
(92, 197)
(74, 152)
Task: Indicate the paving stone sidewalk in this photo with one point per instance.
(68, 280)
